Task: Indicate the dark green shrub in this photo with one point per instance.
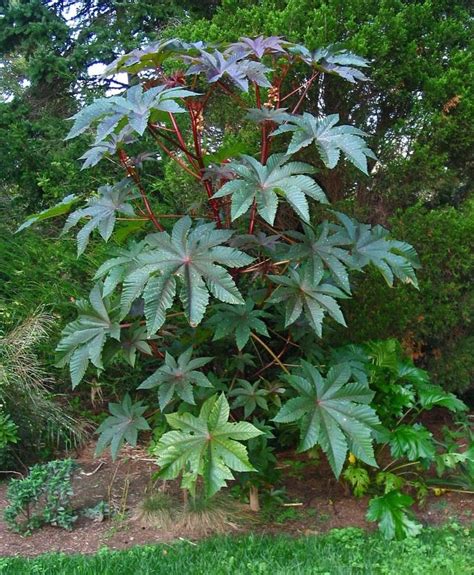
(434, 323)
(43, 497)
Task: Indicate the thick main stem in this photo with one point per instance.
(253, 499)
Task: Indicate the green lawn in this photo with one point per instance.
(445, 551)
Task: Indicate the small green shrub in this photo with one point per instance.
(8, 430)
(43, 497)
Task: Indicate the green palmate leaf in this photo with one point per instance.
(83, 339)
(206, 446)
(195, 258)
(177, 378)
(151, 56)
(413, 442)
(333, 412)
(303, 292)
(107, 147)
(330, 248)
(373, 245)
(133, 108)
(264, 184)
(63, 207)
(259, 46)
(330, 140)
(430, 396)
(240, 321)
(101, 212)
(133, 341)
(393, 515)
(217, 65)
(123, 425)
(249, 396)
(333, 60)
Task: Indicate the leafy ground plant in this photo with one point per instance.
(268, 289)
(43, 497)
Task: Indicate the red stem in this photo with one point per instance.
(181, 141)
(253, 215)
(232, 94)
(136, 178)
(305, 91)
(172, 141)
(173, 156)
(206, 183)
(257, 96)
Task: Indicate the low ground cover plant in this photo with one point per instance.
(226, 302)
(43, 497)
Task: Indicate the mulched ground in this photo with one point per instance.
(317, 503)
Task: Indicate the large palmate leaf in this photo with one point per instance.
(258, 46)
(393, 515)
(84, 338)
(302, 291)
(373, 245)
(249, 396)
(216, 66)
(133, 108)
(330, 140)
(206, 446)
(123, 425)
(101, 212)
(333, 412)
(265, 183)
(333, 60)
(238, 320)
(195, 258)
(151, 56)
(177, 377)
(328, 248)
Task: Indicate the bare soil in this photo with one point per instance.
(316, 503)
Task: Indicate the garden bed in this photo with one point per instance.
(314, 503)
